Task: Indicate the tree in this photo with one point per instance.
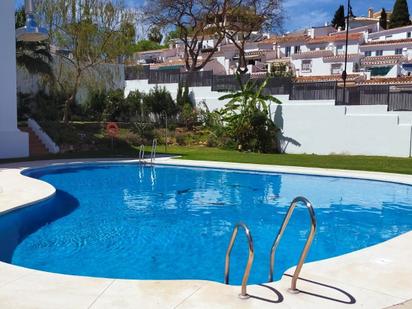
(197, 20)
(172, 35)
(145, 45)
(248, 117)
(400, 15)
(338, 20)
(89, 33)
(383, 19)
(155, 35)
(35, 57)
(246, 17)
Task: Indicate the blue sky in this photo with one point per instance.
(304, 13)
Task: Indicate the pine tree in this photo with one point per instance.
(383, 20)
(400, 15)
(339, 18)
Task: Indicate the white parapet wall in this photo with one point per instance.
(323, 128)
(13, 142)
(320, 127)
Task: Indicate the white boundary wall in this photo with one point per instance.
(323, 128)
(320, 127)
(13, 143)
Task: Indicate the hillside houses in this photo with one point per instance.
(315, 53)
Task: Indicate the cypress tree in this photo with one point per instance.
(400, 15)
(339, 18)
(383, 20)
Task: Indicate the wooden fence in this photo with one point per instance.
(396, 100)
(363, 95)
(227, 83)
(313, 91)
(137, 72)
(400, 100)
(164, 76)
(197, 79)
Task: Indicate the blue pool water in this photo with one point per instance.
(169, 222)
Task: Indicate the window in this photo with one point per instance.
(287, 51)
(336, 68)
(398, 51)
(368, 53)
(388, 37)
(408, 35)
(306, 66)
(379, 53)
(339, 49)
(297, 49)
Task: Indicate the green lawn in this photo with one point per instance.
(367, 163)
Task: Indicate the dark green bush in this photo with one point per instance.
(41, 106)
(135, 108)
(159, 101)
(115, 106)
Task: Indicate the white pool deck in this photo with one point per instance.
(375, 277)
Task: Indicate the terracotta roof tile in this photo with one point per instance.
(313, 54)
(328, 78)
(168, 63)
(382, 60)
(292, 39)
(387, 42)
(388, 81)
(271, 40)
(335, 38)
(341, 58)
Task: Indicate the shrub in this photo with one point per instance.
(115, 106)
(134, 105)
(95, 106)
(41, 106)
(159, 101)
(145, 131)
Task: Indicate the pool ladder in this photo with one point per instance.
(275, 245)
(152, 153)
(141, 154)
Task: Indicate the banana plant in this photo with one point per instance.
(248, 118)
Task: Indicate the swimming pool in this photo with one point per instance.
(170, 222)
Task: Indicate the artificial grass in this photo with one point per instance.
(364, 163)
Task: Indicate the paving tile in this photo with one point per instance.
(46, 290)
(146, 294)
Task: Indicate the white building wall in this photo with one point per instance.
(13, 142)
(391, 34)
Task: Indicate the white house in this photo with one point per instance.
(323, 55)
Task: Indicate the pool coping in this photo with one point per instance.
(379, 276)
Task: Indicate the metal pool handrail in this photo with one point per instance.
(141, 153)
(243, 293)
(154, 151)
(306, 248)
